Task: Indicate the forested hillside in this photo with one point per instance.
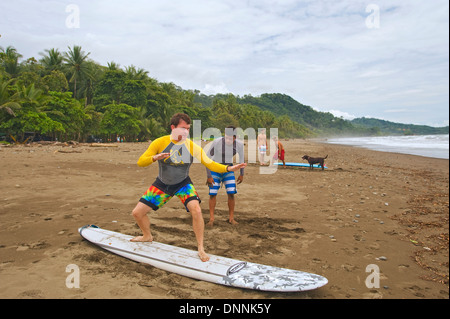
(387, 127)
(322, 123)
(68, 96)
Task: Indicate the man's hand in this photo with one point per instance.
(236, 167)
(210, 182)
(160, 156)
(240, 179)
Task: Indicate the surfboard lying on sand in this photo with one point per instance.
(219, 270)
(299, 164)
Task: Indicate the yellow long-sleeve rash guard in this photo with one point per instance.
(175, 168)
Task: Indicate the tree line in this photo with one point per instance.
(68, 96)
(391, 128)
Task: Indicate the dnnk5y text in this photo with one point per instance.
(226, 308)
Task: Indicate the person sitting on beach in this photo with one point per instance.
(222, 151)
(174, 154)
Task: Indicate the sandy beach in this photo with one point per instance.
(368, 208)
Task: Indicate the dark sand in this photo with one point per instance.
(334, 223)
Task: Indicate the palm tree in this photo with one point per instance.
(53, 61)
(76, 61)
(113, 66)
(8, 102)
(134, 73)
(9, 59)
(149, 127)
(93, 74)
(31, 95)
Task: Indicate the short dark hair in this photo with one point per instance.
(230, 129)
(176, 118)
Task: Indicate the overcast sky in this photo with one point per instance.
(374, 58)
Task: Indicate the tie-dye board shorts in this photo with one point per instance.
(159, 193)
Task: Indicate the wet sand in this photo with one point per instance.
(368, 208)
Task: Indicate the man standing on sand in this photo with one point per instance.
(262, 145)
(222, 151)
(280, 151)
(174, 154)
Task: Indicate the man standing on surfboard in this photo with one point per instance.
(174, 154)
(222, 151)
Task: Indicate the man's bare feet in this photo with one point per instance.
(203, 256)
(142, 239)
(233, 222)
(210, 223)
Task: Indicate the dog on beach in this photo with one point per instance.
(315, 160)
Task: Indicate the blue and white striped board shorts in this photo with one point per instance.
(227, 179)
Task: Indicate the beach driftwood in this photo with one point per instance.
(103, 145)
(61, 151)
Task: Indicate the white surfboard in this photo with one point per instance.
(219, 270)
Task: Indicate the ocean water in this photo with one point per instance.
(423, 145)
